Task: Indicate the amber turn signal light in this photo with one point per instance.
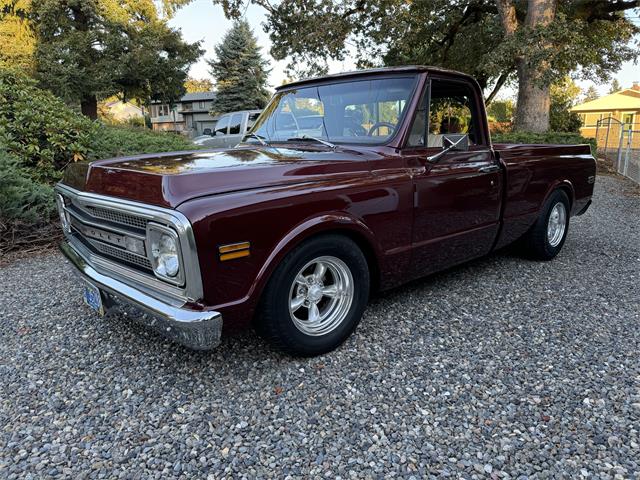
(234, 250)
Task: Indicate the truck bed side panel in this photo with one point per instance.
(532, 173)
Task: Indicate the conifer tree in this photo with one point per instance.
(240, 71)
(615, 86)
(590, 94)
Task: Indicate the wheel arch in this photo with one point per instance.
(338, 224)
(564, 185)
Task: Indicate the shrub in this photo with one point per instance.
(27, 207)
(116, 141)
(39, 136)
(552, 138)
(499, 127)
(39, 129)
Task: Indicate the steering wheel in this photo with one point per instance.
(377, 125)
(357, 131)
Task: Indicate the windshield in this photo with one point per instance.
(356, 112)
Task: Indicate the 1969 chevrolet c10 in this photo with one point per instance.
(346, 184)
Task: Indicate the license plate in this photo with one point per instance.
(92, 297)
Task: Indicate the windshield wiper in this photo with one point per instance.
(315, 139)
(260, 138)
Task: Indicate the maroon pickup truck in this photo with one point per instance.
(346, 184)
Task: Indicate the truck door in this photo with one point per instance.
(457, 196)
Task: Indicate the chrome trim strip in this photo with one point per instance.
(193, 281)
(199, 330)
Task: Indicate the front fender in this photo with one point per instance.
(326, 223)
(376, 211)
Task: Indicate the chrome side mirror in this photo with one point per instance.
(451, 142)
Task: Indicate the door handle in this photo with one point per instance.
(489, 169)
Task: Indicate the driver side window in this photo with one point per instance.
(451, 110)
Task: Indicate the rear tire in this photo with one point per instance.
(315, 298)
(546, 237)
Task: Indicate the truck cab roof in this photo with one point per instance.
(375, 71)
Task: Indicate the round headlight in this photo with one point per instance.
(165, 254)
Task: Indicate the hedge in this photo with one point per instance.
(27, 207)
(39, 136)
(38, 129)
(552, 138)
(116, 141)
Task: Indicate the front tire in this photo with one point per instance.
(546, 238)
(315, 298)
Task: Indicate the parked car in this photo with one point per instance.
(291, 232)
(230, 129)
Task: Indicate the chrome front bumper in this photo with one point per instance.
(195, 329)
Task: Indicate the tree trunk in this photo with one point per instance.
(532, 112)
(89, 106)
(534, 98)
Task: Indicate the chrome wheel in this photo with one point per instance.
(557, 224)
(321, 295)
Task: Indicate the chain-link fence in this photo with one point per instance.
(627, 162)
(618, 143)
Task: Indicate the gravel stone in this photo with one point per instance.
(502, 368)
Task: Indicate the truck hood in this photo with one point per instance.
(170, 179)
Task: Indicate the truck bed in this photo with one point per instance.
(533, 171)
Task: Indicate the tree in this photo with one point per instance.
(501, 110)
(97, 48)
(193, 85)
(240, 71)
(17, 37)
(564, 94)
(590, 94)
(615, 86)
(533, 42)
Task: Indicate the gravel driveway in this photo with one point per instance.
(503, 368)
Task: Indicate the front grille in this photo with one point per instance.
(113, 224)
(117, 217)
(121, 254)
(110, 235)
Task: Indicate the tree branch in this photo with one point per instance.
(471, 12)
(499, 83)
(591, 10)
(266, 5)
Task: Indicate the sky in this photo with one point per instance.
(201, 20)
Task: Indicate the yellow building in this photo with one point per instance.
(621, 107)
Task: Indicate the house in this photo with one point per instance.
(164, 118)
(623, 107)
(120, 111)
(190, 115)
(194, 108)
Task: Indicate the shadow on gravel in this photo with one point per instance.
(473, 267)
(251, 349)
